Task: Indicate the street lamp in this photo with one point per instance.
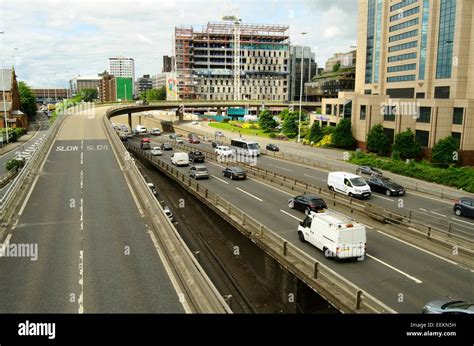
(4, 99)
(301, 86)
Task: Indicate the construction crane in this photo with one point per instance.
(237, 23)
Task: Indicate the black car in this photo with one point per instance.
(272, 147)
(367, 170)
(464, 206)
(307, 203)
(196, 156)
(216, 144)
(234, 173)
(386, 186)
(166, 146)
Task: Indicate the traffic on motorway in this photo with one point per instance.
(335, 235)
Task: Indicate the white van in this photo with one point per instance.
(349, 184)
(180, 159)
(141, 129)
(335, 234)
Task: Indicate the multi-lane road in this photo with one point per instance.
(85, 244)
(401, 275)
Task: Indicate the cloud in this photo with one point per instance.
(57, 39)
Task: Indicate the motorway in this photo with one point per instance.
(401, 275)
(427, 209)
(88, 246)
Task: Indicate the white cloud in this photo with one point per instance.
(57, 39)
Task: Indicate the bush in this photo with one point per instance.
(342, 136)
(406, 145)
(445, 151)
(225, 120)
(329, 130)
(325, 142)
(461, 178)
(377, 141)
(316, 133)
(272, 135)
(13, 163)
(396, 156)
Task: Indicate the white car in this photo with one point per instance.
(168, 213)
(151, 186)
(141, 129)
(195, 123)
(156, 151)
(223, 150)
(179, 140)
(180, 159)
(155, 131)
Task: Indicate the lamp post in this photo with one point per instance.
(4, 99)
(301, 87)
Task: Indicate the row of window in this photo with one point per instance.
(404, 25)
(401, 57)
(405, 14)
(402, 4)
(245, 52)
(244, 97)
(403, 46)
(246, 82)
(224, 89)
(423, 116)
(403, 36)
(399, 68)
(404, 78)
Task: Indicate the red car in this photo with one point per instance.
(194, 140)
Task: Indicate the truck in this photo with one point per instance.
(335, 234)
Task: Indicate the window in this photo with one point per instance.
(402, 4)
(328, 109)
(425, 115)
(389, 113)
(404, 25)
(457, 137)
(422, 137)
(404, 78)
(403, 36)
(367, 92)
(458, 115)
(407, 45)
(370, 41)
(363, 112)
(405, 14)
(390, 134)
(401, 57)
(399, 68)
(420, 95)
(447, 23)
(441, 92)
(424, 39)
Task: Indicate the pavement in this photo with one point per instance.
(94, 253)
(401, 275)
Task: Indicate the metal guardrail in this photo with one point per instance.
(332, 286)
(17, 189)
(7, 177)
(201, 294)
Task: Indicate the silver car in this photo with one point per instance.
(449, 306)
(199, 172)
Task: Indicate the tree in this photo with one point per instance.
(89, 94)
(290, 125)
(445, 151)
(342, 136)
(266, 121)
(316, 132)
(336, 67)
(405, 144)
(27, 99)
(154, 94)
(283, 114)
(377, 141)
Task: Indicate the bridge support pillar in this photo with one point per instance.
(130, 121)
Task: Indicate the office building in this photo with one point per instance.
(310, 69)
(48, 95)
(107, 88)
(342, 60)
(414, 70)
(122, 67)
(168, 64)
(143, 83)
(79, 82)
(229, 60)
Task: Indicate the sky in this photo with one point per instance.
(50, 41)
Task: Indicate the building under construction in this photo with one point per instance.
(232, 61)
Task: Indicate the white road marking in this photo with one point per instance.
(418, 248)
(312, 176)
(82, 144)
(294, 217)
(423, 209)
(5, 244)
(80, 300)
(225, 182)
(369, 227)
(82, 209)
(433, 212)
(388, 199)
(285, 169)
(272, 187)
(82, 158)
(215, 164)
(397, 270)
(469, 223)
(259, 199)
(82, 179)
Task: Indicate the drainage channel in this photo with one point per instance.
(249, 279)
